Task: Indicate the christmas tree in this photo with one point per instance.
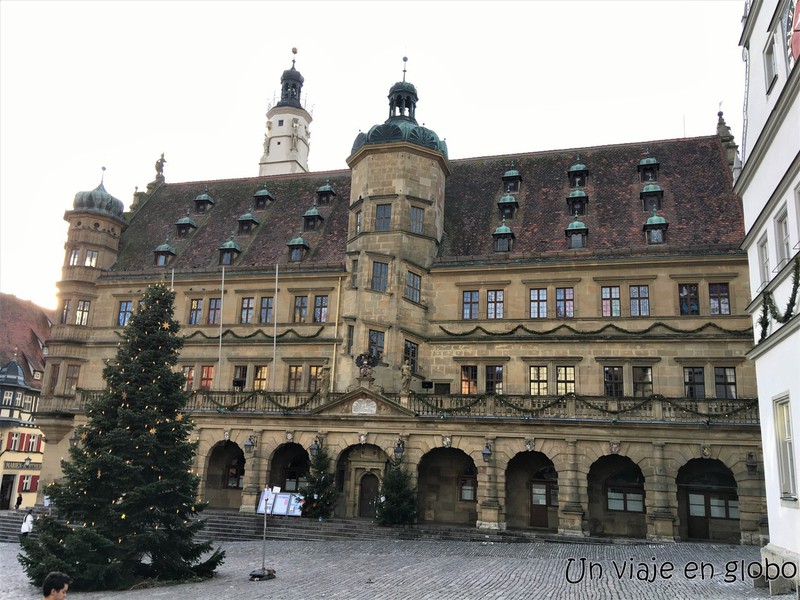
(128, 493)
(398, 504)
(319, 496)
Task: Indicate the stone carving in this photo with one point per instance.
(364, 406)
(614, 447)
(447, 441)
(405, 385)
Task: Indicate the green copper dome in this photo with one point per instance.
(577, 167)
(248, 216)
(263, 193)
(230, 245)
(576, 226)
(99, 201)
(326, 189)
(652, 188)
(298, 241)
(511, 173)
(204, 197)
(165, 248)
(508, 199)
(648, 160)
(312, 212)
(576, 193)
(186, 221)
(503, 230)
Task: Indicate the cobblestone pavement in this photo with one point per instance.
(416, 570)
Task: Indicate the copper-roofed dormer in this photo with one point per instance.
(247, 222)
(325, 193)
(202, 202)
(578, 173)
(163, 254)
(503, 238)
(185, 225)
(311, 218)
(648, 168)
(297, 248)
(261, 197)
(655, 228)
(651, 196)
(508, 205)
(577, 200)
(228, 252)
(512, 179)
(576, 233)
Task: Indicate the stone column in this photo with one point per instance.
(489, 511)
(252, 475)
(570, 514)
(660, 519)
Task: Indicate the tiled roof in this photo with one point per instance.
(23, 325)
(693, 173)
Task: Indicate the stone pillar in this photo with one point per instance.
(252, 475)
(489, 510)
(56, 429)
(660, 520)
(570, 513)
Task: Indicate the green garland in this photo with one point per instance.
(768, 307)
(267, 396)
(603, 329)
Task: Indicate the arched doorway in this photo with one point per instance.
(352, 469)
(708, 501)
(368, 495)
(447, 487)
(616, 498)
(289, 468)
(532, 492)
(225, 475)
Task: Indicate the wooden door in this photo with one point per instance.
(368, 496)
(697, 520)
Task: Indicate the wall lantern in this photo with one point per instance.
(73, 440)
(250, 444)
(487, 452)
(399, 448)
(27, 461)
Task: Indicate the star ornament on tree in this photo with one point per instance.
(165, 325)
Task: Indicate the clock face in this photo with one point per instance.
(364, 406)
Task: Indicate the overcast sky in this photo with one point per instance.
(85, 85)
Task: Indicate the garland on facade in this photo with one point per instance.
(267, 396)
(768, 307)
(231, 333)
(603, 329)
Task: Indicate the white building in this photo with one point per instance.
(769, 185)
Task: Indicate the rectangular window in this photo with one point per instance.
(413, 285)
(248, 308)
(71, 379)
(494, 304)
(763, 260)
(295, 377)
(196, 311)
(469, 379)
(694, 384)
(239, 377)
(783, 242)
(82, 312)
(565, 380)
(538, 376)
(91, 258)
(688, 299)
(610, 301)
(640, 301)
(265, 314)
(383, 217)
(74, 257)
(612, 380)
(642, 382)
(33, 440)
(8, 398)
(410, 354)
(260, 377)
(320, 309)
(206, 377)
(784, 438)
(494, 379)
(467, 489)
(214, 308)
(13, 443)
(354, 273)
(66, 306)
(54, 373)
(314, 377)
(725, 382)
(770, 64)
(351, 332)
(469, 308)
(565, 303)
(380, 276)
(125, 312)
(376, 339)
(538, 303)
(358, 222)
(719, 298)
(188, 373)
(417, 215)
(300, 309)
(627, 500)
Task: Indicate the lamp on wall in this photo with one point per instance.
(250, 444)
(487, 452)
(751, 463)
(27, 461)
(399, 448)
(73, 440)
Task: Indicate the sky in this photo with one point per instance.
(87, 85)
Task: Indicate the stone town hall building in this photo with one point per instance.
(573, 321)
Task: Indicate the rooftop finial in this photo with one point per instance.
(405, 60)
(294, 53)
(102, 175)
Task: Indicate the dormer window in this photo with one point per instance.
(655, 229)
(577, 201)
(648, 168)
(312, 219)
(184, 226)
(203, 202)
(163, 254)
(577, 234)
(503, 238)
(577, 174)
(297, 249)
(228, 252)
(325, 194)
(512, 180)
(247, 223)
(508, 206)
(262, 197)
(651, 196)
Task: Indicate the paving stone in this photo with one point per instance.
(424, 570)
